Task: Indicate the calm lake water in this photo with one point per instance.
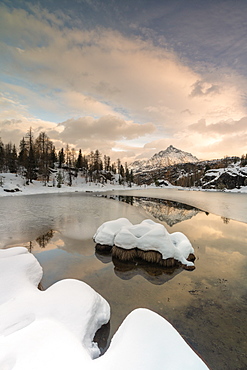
(208, 306)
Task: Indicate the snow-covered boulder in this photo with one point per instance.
(106, 233)
(146, 236)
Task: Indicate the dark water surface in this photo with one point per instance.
(208, 306)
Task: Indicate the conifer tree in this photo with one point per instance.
(53, 156)
(97, 164)
(61, 158)
(23, 153)
(31, 164)
(79, 161)
(84, 163)
(31, 160)
(1, 155)
(13, 160)
(43, 151)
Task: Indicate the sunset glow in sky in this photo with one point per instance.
(126, 77)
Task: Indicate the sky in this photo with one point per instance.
(128, 78)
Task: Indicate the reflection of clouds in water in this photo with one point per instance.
(77, 231)
(231, 259)
(210, 230)
(58, 264)
(83, 247)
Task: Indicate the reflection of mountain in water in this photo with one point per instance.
(164, 210)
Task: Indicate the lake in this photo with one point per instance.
(208, 306)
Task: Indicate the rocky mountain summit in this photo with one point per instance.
(164, 158)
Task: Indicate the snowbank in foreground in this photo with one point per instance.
(53, 329)
(147, 341)
(147, 236)
(38, 324)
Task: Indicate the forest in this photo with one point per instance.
(37, 158)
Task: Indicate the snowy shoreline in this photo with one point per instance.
(13, 185)
(229, 204)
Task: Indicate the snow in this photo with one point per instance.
(147, 341)
(164, 158)
(233, 170)
(36, 324)
(148, 235)
(53, 329)
(16, 186)
(106, 233)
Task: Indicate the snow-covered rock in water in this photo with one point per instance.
(146, 236)
(106, 233)
(182, 243)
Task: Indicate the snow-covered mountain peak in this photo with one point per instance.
(164, 158)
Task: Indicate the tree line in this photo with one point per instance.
(36, 158)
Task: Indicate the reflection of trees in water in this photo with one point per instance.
(44, 239)
(30, 247)
(168, 211)
(225, 220)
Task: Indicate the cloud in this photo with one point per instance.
(88, 105)
(117, 87)
(221, 128)
(15, 120)
(201, 88)
(15, 129)
(101, 71)
(86, 132)
(220, 138)
(207, 141)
